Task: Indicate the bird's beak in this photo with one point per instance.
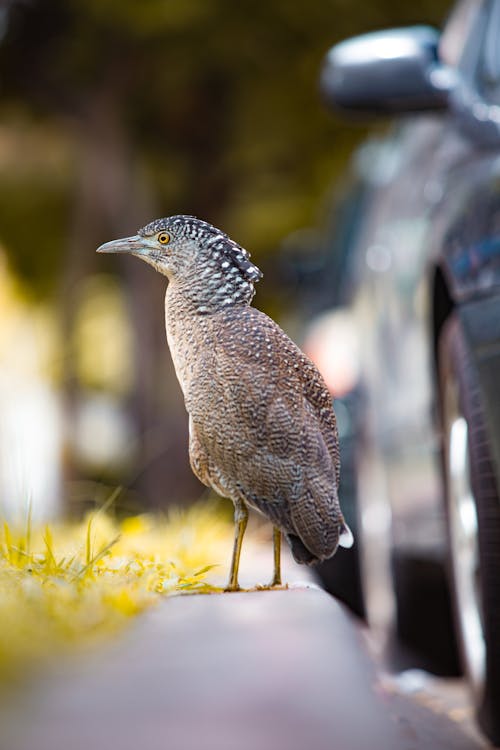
(135, 245)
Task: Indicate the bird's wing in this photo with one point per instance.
(288, 369)
(264, 393)
(317, 394)
(288, 473)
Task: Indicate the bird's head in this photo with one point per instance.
(214, 271)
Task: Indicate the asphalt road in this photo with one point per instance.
(269, 670)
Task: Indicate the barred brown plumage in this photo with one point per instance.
(262, 427)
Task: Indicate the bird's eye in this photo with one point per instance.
(163, 238)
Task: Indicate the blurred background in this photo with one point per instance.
(115, 113)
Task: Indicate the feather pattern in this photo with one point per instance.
(263, 430)
(262, 425)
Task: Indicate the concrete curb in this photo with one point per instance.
(250, 671)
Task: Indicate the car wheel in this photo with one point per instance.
(473, 521)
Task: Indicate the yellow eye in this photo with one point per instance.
(163, 238)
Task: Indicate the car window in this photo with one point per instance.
(489, 66)
(471, 44)
(457, 31)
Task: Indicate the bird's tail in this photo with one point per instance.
(299, 551)
(320, 527)
(346, 537)
(305, 557)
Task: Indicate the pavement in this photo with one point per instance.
(263, 670)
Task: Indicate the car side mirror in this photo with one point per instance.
(387, 72)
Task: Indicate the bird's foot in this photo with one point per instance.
(273, 586)
(232, 588)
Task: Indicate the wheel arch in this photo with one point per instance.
(480, 318)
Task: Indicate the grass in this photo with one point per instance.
(75, 584)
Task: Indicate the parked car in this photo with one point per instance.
(420, 281)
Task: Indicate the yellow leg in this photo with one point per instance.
(277, 557)
(240, 524)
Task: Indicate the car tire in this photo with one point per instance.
(473, 523)
(425, 634)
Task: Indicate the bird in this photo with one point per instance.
(262, 428)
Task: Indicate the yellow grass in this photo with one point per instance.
(77, 583)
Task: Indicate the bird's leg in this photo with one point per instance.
(276, 582)
(277, 557)
(240, 524)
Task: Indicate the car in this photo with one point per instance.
(412, 258)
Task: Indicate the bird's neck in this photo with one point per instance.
(180, 310)
(210, 287)
(206, 293)
(191, 331)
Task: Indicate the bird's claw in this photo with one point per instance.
(232, 588)
(273, 586)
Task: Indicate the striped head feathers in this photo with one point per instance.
(197, 254)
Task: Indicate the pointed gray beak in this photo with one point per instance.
(135, 245)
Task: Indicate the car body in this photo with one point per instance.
(421, 284)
